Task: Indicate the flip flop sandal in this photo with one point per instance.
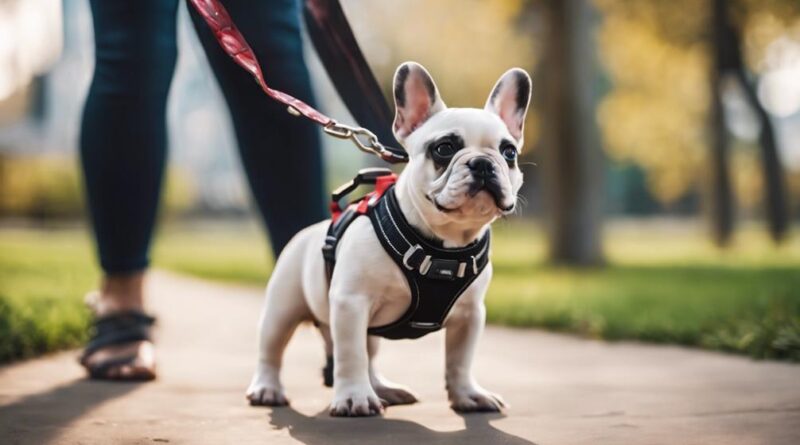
(114, 330)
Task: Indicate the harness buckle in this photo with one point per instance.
(443, 269)
(411, 255)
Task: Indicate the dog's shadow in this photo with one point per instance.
(323, 429)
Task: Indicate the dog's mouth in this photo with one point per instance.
(491, 186)
(438, 206)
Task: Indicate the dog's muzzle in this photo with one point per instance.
(484, 177)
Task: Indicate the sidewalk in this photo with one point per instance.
(562, 390)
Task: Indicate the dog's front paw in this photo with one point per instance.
(473, 398)
(265, 390)
(356, 401)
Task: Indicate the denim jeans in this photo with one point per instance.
(123, 133)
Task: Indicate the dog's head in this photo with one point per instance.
(463, 164)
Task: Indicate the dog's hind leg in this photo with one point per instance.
(284, 309)
(392, 393)
(327, 371)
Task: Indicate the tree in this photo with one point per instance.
(667, 62)
(726, 45)
(572, 157)
(725, 57)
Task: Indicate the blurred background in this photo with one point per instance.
(662, 164)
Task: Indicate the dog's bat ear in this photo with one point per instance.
(509, 100)
(416, 99)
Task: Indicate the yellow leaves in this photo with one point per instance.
(656, 56)
(655, 134)
(655, 115)
(41, 186)
(748, 180)
(680, 22)
(761, 29)
(466, 44)
(50, 186)
(635, 57)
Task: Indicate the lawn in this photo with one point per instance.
(663, 283)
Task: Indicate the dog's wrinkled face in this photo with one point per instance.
(463, 161)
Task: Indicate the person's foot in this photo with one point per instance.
(127, 361)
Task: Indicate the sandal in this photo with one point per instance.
(114, 330)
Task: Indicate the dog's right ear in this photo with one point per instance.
(416, 99)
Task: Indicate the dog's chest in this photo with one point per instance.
(364, 268)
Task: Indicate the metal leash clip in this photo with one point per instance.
(365, 140)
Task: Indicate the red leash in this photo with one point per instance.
(234, 43)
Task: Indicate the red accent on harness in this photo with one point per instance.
(236, 46)
(362, 205)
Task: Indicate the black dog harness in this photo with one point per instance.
(436, 275)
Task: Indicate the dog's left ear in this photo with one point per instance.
(509, 100)
(416, 99)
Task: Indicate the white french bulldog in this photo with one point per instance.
(438, 195)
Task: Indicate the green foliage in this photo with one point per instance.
(233, 253)
(657, 56)
(671, 287)
(49, 187)
(40, 187)
(43, 278)
(664, 284)
(739, 309)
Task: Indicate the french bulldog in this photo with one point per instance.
(462, 175)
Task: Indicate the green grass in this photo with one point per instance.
(43, 277)
(662, 284)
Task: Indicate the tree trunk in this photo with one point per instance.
(721, 204)
(774, 181)
(573, 164)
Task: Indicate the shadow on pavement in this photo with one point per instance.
(322, 429)
(40, 418)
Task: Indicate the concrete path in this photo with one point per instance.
(562, 390)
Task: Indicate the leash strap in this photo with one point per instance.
(236, 46)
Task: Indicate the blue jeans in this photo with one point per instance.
(123, 134)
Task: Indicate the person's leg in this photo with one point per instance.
(280, 152)
(123, 146)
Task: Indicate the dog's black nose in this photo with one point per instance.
(481, 167)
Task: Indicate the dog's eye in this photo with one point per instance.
(444, 150)
(442, 153)
(509, 153)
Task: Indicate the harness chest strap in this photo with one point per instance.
(436, 276)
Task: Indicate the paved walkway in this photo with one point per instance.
(562, 390)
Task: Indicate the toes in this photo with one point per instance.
(375, 406)
(478, 402)
(113, 373)
(125, 371)
(500, 402)
(396, 396)
(464, 405)
(128, 362)
(135, 371)
(486, 403)
(267, 397)
(356, 407)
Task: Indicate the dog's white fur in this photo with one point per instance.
(367, 288)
